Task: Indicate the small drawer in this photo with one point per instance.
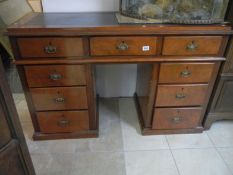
(55, 75)
(123, 46)
(176, 118)
(50, 47)
(61, 98)
(186, 72)
(192, 45)
(63, 121)
(181, 95)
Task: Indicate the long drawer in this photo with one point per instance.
(55, 75)
(181, 95)
(59, 98)
(63, 121)
(123, 46)
(176, 118)
(192, 45)
(186, 72)
(51, 47)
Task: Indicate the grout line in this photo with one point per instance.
(172, 155)
(216, 149)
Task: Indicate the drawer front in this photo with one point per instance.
(123, 46)
(50, 47)
(181, 95)
(63, 121)
(55, 75)
(186, 72)
(65, 98)
(176, 118)
(193, 45)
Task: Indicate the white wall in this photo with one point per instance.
(112, 80)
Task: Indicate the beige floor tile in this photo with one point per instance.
(53, 164)
(221, 133)
(200, 162)
(23, 112)
(227, 155)
(18, 97)
(178, 141)
(99, 163)
(110, 134)
(158, 162)
(132, 137)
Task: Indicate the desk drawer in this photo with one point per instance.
(50, 47)
(186, 72)
(181, 95)
(63, 98)
(63, 121)
(192, 45)
(123, 46)
(176, 118)
(55, 75)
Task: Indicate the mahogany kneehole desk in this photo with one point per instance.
(177, 70)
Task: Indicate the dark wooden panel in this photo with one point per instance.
(55, 75)
(176, 118)
(5, 134)
(228, 65)
(63, 121)
(123, 46)
(192, 45)
(225, 98)
(181, 95)
(186, 72)
(50, 47)
(14, 155)
(11, 160)
(65, 98)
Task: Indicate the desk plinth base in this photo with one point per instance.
(74, 135)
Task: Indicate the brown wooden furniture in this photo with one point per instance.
(14, 155)
(221, 106)
(177, 69)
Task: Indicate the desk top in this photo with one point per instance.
(101, 23)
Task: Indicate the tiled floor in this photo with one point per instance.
(121, 150)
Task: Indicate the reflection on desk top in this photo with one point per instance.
(101, 23)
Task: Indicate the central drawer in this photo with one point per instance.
(181, 95)
(106, 46)
(59, 98)
(63, 121)
(55, 75)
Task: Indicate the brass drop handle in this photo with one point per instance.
(59, 100)
(50, 49)
(180, 96)
(55, 76)
(63, 122)
(122, 46)
(192, 46)
(185, 73)
(176, 119)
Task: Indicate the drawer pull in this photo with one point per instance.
(55, 76)
(50, 49)
(122, 46)
(180, 96)
(176, 119)
(59, 100)
(185, 73)
(63, 123)
(192, 46)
